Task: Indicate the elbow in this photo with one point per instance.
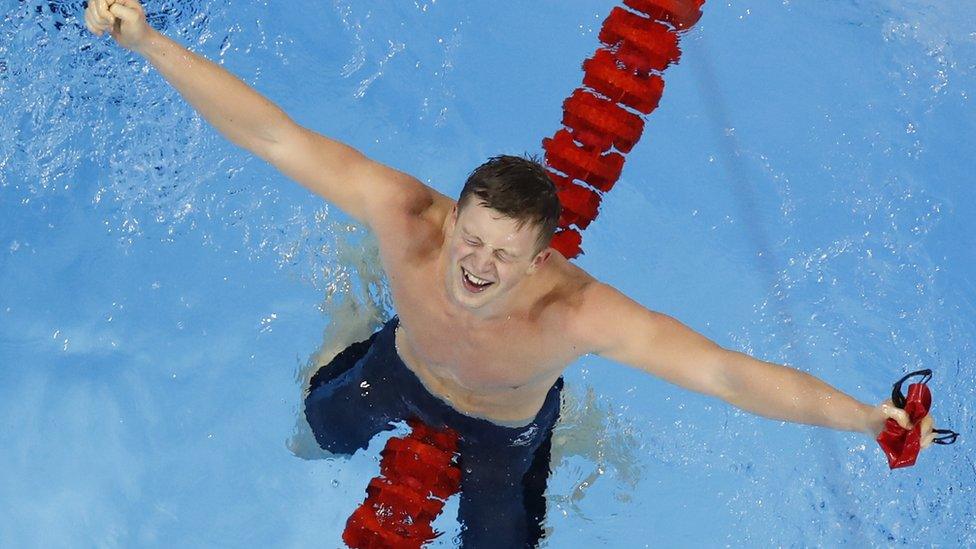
(726, 382)
(272, 143)
(280, 130)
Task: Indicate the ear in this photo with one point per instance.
(539, 260)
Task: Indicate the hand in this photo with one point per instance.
(125, 20)
(887, 410)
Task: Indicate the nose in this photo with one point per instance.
(482, 261)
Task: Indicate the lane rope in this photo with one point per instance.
(418, 473)
(622, 85)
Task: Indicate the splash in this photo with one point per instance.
(356, 303)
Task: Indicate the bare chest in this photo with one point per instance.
(504, 356)
(500, 369)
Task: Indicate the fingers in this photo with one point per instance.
(125, 13)
(897, 414)
(927, 424)
(98, 18)
(90, 20)
(133, 5)
(100, 9)
(927, 436)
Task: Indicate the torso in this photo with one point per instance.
(499, 369)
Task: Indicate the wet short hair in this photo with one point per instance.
(518, 188)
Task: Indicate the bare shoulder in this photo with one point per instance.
(563, 303)
(411, 217)
(598, 313)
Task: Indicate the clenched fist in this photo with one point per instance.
(125, 20)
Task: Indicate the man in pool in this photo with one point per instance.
(488, 316)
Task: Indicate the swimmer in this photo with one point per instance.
(488, 315)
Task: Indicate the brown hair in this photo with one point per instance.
(518, 188)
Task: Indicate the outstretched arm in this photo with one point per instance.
(620, 329)
(362, 188)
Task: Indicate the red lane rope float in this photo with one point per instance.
(600, 123)
(621, 84)
(637, 91)
(417, 474)
(643, 43)
(581, 162)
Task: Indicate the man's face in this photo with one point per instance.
(488, 255)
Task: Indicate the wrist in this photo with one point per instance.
(872, 420)
(150, 44)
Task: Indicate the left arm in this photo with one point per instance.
(616, 327)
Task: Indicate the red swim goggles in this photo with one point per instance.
(901, 446)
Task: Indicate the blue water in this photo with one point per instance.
(804, 194)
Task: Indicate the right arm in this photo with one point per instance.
(342, 175)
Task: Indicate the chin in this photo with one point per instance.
(467, 300)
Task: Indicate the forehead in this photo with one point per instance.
(488, 224)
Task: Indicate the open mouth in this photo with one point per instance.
(472, 283)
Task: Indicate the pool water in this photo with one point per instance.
(804, 194)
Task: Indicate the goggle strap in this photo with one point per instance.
(897, 397)
(948, 436)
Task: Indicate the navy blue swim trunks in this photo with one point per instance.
(504, 470)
